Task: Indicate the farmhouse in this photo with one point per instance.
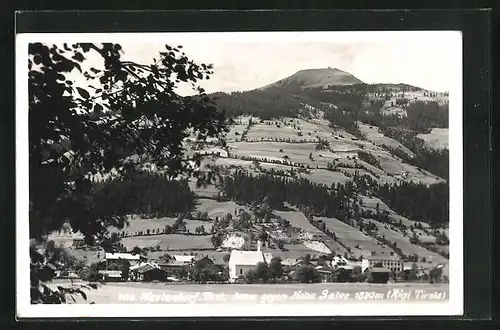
(378, 274)
(203, 261)
(183, 259)
(174, 268)
(148, 272)
(391, 262)
(291, 263)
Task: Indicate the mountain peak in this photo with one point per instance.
(321, 77)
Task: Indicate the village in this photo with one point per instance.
(233, 266)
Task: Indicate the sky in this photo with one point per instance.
(245, 61)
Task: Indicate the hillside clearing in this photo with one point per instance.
(437, 138)
(217, 209)
(359, 243)
(372, 134)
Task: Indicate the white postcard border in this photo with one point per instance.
(454, 306)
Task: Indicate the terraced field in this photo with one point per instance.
(372, 134)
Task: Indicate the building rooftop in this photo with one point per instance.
(217, 259)
(141, 265)
(290, 262)
(182, 258)
(126, 256)
(173, 263)
(111, 273)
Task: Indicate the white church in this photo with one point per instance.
(240, 262)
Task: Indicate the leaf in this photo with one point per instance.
(37, 59)
(83, 92)
(98, 107)
(83, 294)
(78, 57)
(93, 285)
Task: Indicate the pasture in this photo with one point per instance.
(352, 237)
(168, 242)
(372, 134)
(136, 224)
(438, 138)
(326, 177)
(207, 191)
(217, 209)
(297, 219)
(265, 132)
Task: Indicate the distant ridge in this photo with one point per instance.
(316, 78)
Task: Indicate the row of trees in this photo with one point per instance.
(414, 200)
(417, 201)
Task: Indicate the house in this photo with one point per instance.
(378, 274)
(267, 257)
(148, 273)
(291, 263)
(186, 259)
(112, 257)
(325, 273)
(389, 261)
(111, 275)
(174, 268)
(136, 271)
(205, 260)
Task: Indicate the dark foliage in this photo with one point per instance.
(79, 131)
(129, 115)
(418, 201)
(278, 190)
(368, 158)
(150, 194)
(263, 104)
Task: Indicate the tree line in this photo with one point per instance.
(264, 104)
(149, 194)
(413, 200)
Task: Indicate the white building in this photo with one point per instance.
(65, 237)
(389, 261)
(240, 262)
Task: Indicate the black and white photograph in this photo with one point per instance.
(239, 174)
